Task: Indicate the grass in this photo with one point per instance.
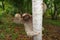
(8, 27)
(52, 22)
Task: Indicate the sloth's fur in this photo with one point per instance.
(26, 19)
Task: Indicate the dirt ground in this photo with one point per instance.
(50, 33)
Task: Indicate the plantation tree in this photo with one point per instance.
(56, 9)
(16, 3)
(50, 5)
(3, 4)
(53, 10)
(21, 5)
(37, 11)
(53, 7)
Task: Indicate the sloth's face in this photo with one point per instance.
(17, 19)
(22, 18)
(26, 17)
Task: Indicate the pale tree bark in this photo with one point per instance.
(37, 11)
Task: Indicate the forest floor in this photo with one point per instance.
(50, 33)
(11, 31)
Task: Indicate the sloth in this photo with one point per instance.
(26, 19)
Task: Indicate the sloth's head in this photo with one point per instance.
(17, 18)
(26, 17)
(17, 15)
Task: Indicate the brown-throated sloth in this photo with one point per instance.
(26, 19)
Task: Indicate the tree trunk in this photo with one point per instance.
(3, 5)
(54, 16)
(37, 11)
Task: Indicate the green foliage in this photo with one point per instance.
(8, 27)
(12, 6)
(14, 36)
(2, 36)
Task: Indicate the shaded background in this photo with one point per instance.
(12, 31)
